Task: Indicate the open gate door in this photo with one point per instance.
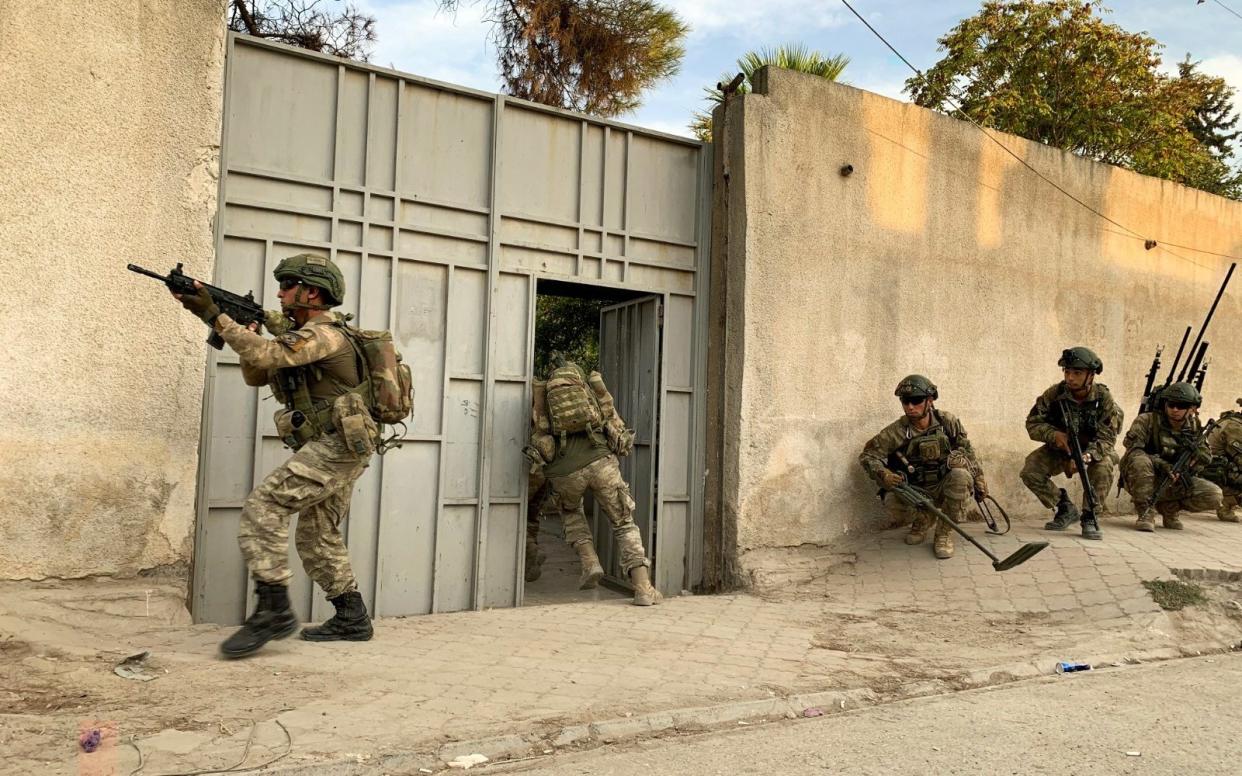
(629, 359)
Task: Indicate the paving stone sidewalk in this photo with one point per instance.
(892, 616)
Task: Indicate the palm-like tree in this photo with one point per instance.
(795, 57)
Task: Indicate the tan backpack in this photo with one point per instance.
(572, 407)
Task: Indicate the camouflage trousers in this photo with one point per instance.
(603, 479)
(315, 485)
(1045, 462)
(951, 495)
(1199, 495)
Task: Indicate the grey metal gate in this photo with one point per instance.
(443, 206)
(629, 359)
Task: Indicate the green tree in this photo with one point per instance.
(1213, 121)
(569, 326)
(790, 57)
(344, 32)
(1054, 71)
(594, 56)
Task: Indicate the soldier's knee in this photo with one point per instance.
(958, 484)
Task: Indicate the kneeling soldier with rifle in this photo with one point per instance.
(1164, 449)
(1078, 421)
(1225, 442)
(928, 448)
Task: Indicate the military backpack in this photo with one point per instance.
(572, 407)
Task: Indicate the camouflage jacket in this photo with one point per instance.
(1099, 419)
(1225, 444)
(318, 343)
(924, 451)
(1151, 433)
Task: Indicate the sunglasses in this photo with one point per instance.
(912, 401)
(289, 283)
(1179, 405)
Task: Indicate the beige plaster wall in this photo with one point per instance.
(940, 255)
(109, 143)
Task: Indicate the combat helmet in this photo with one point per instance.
(1182, 392)
(317, 271)
(916, 386)
(1081, 358)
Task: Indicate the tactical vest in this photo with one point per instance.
(1226, 470)
(924, 457)
(1088, 415)
(309, 391)
(1166, 443)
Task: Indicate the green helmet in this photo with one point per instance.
(1081, 358)
(915, 386)
(317, 271)
(1181, 392)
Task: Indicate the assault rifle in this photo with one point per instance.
(242, 309)
(1181, 467)
(1195, 367)
(920, 500)
(1073, 427)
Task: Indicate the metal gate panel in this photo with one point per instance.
(629, 353)
(442, 205)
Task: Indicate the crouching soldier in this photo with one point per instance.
(583, 437)
(1225, 442)
(928, 448)
(1153, 444)
(315, 370)
(1087, 405)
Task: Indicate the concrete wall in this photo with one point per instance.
(942, 255)
(109, 140)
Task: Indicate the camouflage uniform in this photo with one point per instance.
(1152, 446)
(317, 483)
(1225, 443)
(603, 478)
(1101, 417)
(939, 459)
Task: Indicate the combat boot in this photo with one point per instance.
(273, 618)
(645, 593)
(534, 561)
(350, 623)
(942, 544)
(1226, 513)
(1091, 527)
(1066, 514)
(1146, 520)
(918, 529)
(591, 570)
(1172, 522)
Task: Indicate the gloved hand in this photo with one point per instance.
(1060, 440)
(201, 304)
(890, 479)
(981, 488)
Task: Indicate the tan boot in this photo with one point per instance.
(591, 570)
(1172, 522)
(1146, 521)
(918, 530)
(942, 545)
(644, 593)
(1226, 514)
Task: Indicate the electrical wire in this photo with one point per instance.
(1027, 165)
(1227, 8)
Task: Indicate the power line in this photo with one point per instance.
(1027, 165)
(1222, 5)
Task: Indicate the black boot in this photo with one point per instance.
(273, 618)
(350, 623)
(1091, 526)
(1065, 516)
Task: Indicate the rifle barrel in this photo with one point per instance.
(1211, 311)
(1178, 359)
(147, 272)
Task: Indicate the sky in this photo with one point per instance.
(416, 38)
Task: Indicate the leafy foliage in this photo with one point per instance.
(792, 57)
(594, 56)
(568, 326)
(346, 33)
(1056, 72)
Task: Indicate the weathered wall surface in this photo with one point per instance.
(941, 255)
(109, 139)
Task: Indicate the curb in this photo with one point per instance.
(522, 746)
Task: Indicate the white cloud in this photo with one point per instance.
(1227, 66)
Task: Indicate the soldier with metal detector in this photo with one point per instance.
(1078, 422)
